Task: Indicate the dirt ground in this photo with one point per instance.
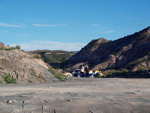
(78, 95)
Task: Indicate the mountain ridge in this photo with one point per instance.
(115, 54)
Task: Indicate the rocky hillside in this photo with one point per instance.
(131, 52)
(18, 66)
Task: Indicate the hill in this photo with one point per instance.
(17, 66)
(131, 52)
(54, 58)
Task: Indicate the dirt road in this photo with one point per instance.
(79, 95)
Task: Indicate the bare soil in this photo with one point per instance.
(78, 95)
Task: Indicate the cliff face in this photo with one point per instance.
(129, 52)
(23, 67)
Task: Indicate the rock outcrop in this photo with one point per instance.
(23, 67)
(130, 52)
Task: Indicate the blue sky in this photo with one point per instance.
(69, 24)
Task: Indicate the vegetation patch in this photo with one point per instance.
(133, 64)
(54, 58)
(37, 56)
(1, 68)
(10, 48)
(110, 72)
(123, 71)
(57, 74)
(141, 68)
(30, 81)
(9, 80)
(4, 60)
(1, 82)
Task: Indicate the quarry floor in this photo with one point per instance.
(78, 95)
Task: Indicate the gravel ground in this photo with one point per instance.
(78, 95)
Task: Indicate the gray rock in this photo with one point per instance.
(11, 101)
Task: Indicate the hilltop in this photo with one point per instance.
(131, 52)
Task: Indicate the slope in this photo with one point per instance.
(19, 65)
(101, 54)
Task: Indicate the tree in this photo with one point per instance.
(18, 47)
(1, 45)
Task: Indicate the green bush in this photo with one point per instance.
(1, 68)
(60, 77)
(123, 71)
(37, 56)
(10, 48)
(9, 80)
(30, 81)
(1, 82)
(142, 68)
(110, 72)
(57, 74)
(18, 47)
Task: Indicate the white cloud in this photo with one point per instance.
(47, 25)
(107, 32)
(50, 45)
(9, 25)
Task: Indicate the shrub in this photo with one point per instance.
(30, 81)
(141, 68)
(1, 82)
(37, 56)
(18, 47)
(123, 71)
(57, 74)
(110, 72)
(9, 80)
(1, 45)
(4, 60)
(60, 77)
(7, 49)
(10, 48)
(1, 68)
